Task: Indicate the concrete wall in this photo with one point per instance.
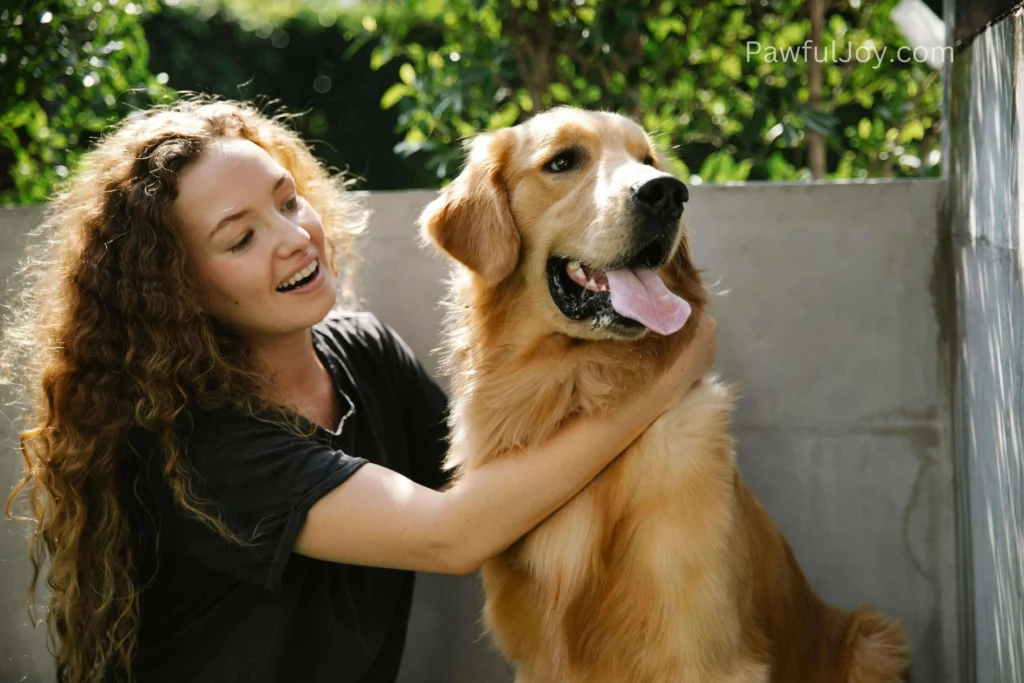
(831, 316)
(23, 655)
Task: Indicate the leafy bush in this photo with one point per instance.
(442, 70)
(681, 67)
(68, 69)
(285, 55)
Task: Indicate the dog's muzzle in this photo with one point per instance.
(629, 294)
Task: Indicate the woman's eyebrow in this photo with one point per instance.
(241, 214)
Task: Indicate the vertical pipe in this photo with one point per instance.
(985, 145)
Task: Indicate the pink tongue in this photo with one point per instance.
(641, 296)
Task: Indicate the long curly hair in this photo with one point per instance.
(107, 338)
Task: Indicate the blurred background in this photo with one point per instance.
(389, 88)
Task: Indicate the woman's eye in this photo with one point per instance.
(563, 161)
(244, 242)
(291, 204)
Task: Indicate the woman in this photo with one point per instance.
(229, 481)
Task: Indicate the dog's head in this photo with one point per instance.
(572, 215)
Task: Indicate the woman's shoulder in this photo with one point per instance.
(352, 327)
(373, 353)
(360, 336)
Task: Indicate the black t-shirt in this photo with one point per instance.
(218, 611)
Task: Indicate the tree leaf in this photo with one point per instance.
(407, 73)
(819, 122)
(393, 94)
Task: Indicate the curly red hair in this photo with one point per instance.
(110, 339)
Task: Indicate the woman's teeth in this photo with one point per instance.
(304, 273)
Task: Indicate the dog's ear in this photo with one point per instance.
(471, 220)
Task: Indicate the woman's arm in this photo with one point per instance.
(380, 518)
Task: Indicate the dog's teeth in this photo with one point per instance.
(604, 288)
(574, 265)
(580, 272)
(591, 283)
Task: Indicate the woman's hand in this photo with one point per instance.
(694, 361)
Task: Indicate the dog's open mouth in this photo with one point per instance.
(630, 296)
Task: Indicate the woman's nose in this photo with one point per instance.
(292, 236)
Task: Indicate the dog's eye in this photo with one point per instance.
(563, 161)
(648, 160)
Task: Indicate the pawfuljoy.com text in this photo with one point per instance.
(831, 53)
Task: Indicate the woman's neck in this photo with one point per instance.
(291, 364)
(298, 378)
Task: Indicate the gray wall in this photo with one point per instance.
(22, 649)
(831, 315)
(986, 140)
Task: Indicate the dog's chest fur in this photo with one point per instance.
(630, 581)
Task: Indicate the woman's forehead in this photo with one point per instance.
(226, 158)
(229, 176)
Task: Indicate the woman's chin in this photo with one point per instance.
(307, 313)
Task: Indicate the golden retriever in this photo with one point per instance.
(572, 285)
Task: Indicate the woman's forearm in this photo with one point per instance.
(380, 518)
(492, 506)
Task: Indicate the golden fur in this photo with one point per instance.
(664, 569)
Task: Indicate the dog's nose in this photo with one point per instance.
(662, 197)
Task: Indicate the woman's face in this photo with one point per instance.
(256, 248)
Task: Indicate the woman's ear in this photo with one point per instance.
(471, 220)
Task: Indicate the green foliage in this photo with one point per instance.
(293, 64)
(689, 71)
(266, 15)
(442, 70)
(68, 69)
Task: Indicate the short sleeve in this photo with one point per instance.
(426, 412)
(261, 480)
